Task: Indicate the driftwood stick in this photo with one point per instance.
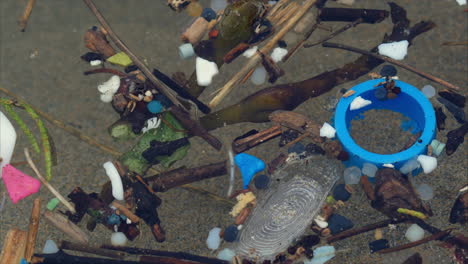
(294, 49)
(14, 246)
(256, 58)
(244, 144)
(47, 184)
(32, 230)
(415, 243)
(392, 61)
(126, 212)
(92, 250)
(66, 226)
(23, 21)
(360, 230)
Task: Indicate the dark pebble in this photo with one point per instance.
(90, 56)
(288, 136)
(378, 245)
(208, 14)
(380, 94)
(338, 223)
(230, 233)
(340, 193)
(282, 44)
(163, 100)
(297, 148)
(312, 148)
(261, 181)
(388, 70)
(456, 99)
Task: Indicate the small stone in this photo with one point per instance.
(414, 233)
(338, 223)
(214, 240)
(377, 245)
(259, 76)
(248, 165)
(369, 169)
(428, 91)
(312, 148)
(380, 94)
(425, 192)
(340, 193)
(186, 51)
(50, 247)
(409, 166)
(230, 233)
(261, 181)
(208, 14)
(298, 148)
(388, 70)
(352, 175)
(118, 239)
(282, 44)
(154, 107)
(95, 62)
(52, 204)
(428, 163)
(320, 222)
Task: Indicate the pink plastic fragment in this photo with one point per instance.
(18, 184)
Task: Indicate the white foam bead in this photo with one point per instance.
(116, 181)
(250, 52)
(327, 131)
(214, 240)
(395, 50)
(425, 192)
(369, 169)
(259, 76)
(95, 62)
(358, 103)
(414, 233)
(278, 54)
(118, 239)
(205, 71)
(428, 163)
(7, 141)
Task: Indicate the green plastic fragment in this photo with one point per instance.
(52, 204)
(120, 59)
(330, 199)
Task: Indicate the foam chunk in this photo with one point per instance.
(205, 70)
(250, 52)
(18, 184)
(259, 76)
(428, 163)
(395, 50)
(118, 239)
(414, 233)
(116, 181)
(358, 103)
(7, 141)
(327, 131)
(278, 54)
(214, 239)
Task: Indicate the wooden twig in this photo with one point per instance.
(416, 243)
(23, 21)
(91, 249)
(47, 184)
(360, 230)
(256, 58)
(106, 70)
(126, 212)
(392, 61)
(335, 33)
(244, 144)
(276, 7)
(32, 230)
(455, 43)
(66, 226)
(294, 49)
(13, 247)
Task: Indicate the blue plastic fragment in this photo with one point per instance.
(23, 261)
(230, 233)
(338, 223)
(378, 245)
(248, 166)
(113, 219)
(154, 107)
(261, 181)
(298, 148)
(208, 14)
(340, 193)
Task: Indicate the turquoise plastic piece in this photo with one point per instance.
(410, 102)
(248, 165)
(154, 107)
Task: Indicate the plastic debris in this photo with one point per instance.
(214, 240)
(186, 51)
(50, 247)
(109, 88)
(208, 14)
(369, 169)
(259, 76)
(412, 213)
(428, 91)
(409, 166)
(388, 71)
(116, 181)
(205, 70)
(121, 59)
(322, 255)
(327, 131)
(414, 233)
(52, 204)
(151, 123)
(321, 222)
(425, 192)
(230, 233)
(388, 165)
(298, 148)
(243, 200)
(359, 103)
(395, 50)
(437, 147)
(428, 163)
(338, 223)
(113, 219)
(95, 62)
(250, 52)
(377, 245)
(278, 54)
(261, 181)
(380, 94)
(461, 2)
(118, 239)
(7, 141)
(352, 175)
(226, 254)
(154, 107)
(340, 193)
(18, 184)
(248, 165)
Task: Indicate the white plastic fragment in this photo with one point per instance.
(428, 91)
(259, 76)
(461, 2)
(327, 131)
(186, 51)
(205, 70)
(395, 50)
(389, 165)
(409, 166)
(352, 175)
(321, 222)
(128, 221)
(322, 255)
(278, 54)
(7, 141)
(95, 62)
(358, 103)
(369, 169)
(50, 247)
(414, 233)
(425, 192)
(116, 181)
(428, 163)
(151, 123)
(437, 147)
(250, 52)
(109, 88)
(214, 239)
(118, 239)
(226, 254)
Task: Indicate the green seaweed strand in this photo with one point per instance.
(9, 109)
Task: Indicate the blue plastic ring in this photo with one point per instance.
(410, 102)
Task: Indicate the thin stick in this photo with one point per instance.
(256, 58)
(32, 230)
(335, 33)
(360, 230)
(66, 226)
(392, 61)
(47, 184)
(277, 6)
(92, 250)
(307, 35)
(126, 212)
(455, 43)
(23, 21)
(416, 243)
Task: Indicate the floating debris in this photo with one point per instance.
(395, 50)
(214, 240)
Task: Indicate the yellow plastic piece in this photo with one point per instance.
(120, 59)
(412, 213)
(243, 200)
